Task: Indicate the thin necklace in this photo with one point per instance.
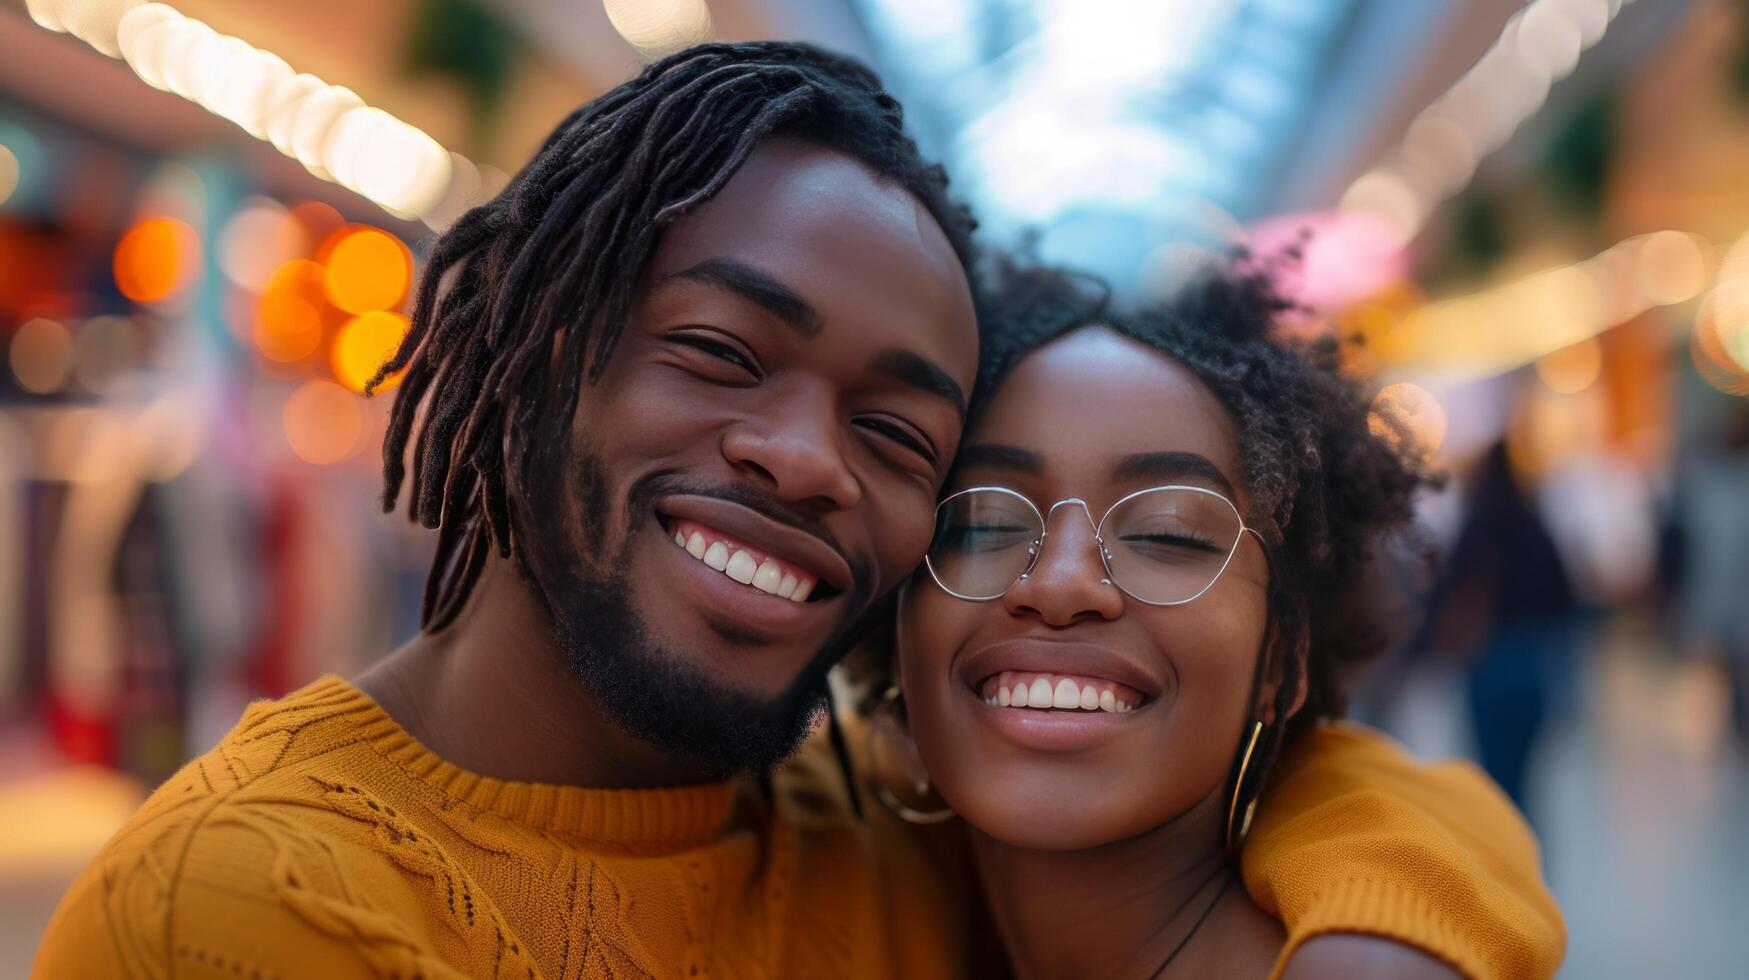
(1196, 925)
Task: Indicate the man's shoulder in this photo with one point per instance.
(271, 837)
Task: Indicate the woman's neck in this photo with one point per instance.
(1120, 909)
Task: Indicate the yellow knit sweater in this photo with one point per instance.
(318, 839)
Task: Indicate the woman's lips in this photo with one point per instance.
(1050, 730)
(1058, 692)
(1136, 679)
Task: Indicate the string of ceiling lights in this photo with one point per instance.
(328, 128)
(1438, 154)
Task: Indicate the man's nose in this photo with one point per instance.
(796, 445)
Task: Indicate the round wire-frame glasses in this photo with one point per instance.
(1043, 519)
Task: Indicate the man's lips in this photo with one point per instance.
(807, 554)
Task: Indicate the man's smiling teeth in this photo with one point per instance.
(743, 564)
(1015, 689)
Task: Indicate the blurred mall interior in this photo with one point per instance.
(1528, 219)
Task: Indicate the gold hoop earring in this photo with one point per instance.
(885, 727)
(1239, 825)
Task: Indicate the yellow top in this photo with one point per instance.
(318, 839)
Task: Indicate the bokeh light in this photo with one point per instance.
(262, 237)
(1571, 369)
(1480, 112)
(1672, 267)
(288, 324)
(288, 327)
(106, 349)
(1388, 199)
(367, 269)
(322, 422)
(362, 346)
(1719, 343)
(156, 259)
(1547, 429)
(315, 116)
(41, 354)
(1408, 417)
(46, 13)
(396, 165)
(317, 219)
(280, 113)
(658, 27)
(9, 173)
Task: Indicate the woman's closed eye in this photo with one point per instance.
(1173, 539)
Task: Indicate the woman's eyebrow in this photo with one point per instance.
(1171, 466)
(992, 455)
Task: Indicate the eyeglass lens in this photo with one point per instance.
(1166, 545)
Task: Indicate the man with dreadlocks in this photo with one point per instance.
(678, 403)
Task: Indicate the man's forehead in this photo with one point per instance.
(790, 194)
(828, 228)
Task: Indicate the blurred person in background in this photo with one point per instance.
(1714, 500)
(1504, 604)
(1101, 686)
(637, 594)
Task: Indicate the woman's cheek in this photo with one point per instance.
(921, 619)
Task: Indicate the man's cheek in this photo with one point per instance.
(902, 553)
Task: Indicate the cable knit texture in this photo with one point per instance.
(1355, 836)
(320, 840)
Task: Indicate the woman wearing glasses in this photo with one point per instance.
(1145, 582)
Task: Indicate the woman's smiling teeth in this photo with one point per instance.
(743, 564)
(1019, 689)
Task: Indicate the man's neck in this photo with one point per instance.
(492, 694)
(1117, 910)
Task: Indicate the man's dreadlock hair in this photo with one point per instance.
(1325, 489)
(538, 282)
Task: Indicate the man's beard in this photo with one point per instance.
(649, 691)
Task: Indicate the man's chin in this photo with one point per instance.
(681, 706)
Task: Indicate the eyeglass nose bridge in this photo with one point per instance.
(1038, 546)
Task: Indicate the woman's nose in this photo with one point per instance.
(1067, 583)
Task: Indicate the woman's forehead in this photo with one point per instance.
(1092, 398)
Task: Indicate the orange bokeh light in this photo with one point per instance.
(42, 355)
(1409, 418)
(322, 422)
(156, 259)
(318, 220)
(287, 327)
(289, 317)
(368, 269)
(362, 346)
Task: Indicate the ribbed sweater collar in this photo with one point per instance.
(644, 817)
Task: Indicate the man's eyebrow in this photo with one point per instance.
(923, 374)
(756, 286)
(1171, 466)
(991, 455)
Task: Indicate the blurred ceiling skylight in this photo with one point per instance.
(1113, 126)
